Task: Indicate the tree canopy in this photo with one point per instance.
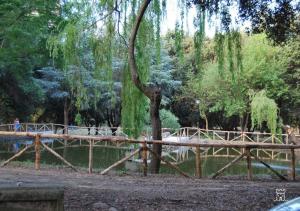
(107, 62)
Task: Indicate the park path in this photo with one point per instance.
(156, 192)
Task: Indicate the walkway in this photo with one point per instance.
(158, 192)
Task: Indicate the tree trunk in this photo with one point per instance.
(244, 121)
(156, 130)
(206, 123)
(153, 93)
(66, 116)
(113, 131)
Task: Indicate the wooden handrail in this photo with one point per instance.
(127, 140)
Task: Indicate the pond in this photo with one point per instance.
(104, 157)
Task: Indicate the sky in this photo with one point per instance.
(173, 15)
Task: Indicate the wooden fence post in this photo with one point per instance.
(257, 140)
(144, 157)
(198, 163)
(293, 160)
(249, 167)
(273, 143)
(228, 139)
(37, 144)
(91, 156)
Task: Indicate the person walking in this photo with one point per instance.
(17, 125)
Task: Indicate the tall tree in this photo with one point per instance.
(103, 20)
(212, 7)
(290, 106)
(24, 28)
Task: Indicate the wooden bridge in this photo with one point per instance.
(182, 135)
(236, 144)
(197, 135)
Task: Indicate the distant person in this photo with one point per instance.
(291, 135)
(17, 125)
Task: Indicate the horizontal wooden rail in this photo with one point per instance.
(182, 130)
(127, 140)
(246, 146)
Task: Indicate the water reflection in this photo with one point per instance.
(104, 157)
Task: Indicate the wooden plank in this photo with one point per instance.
(16, 155)
(269, 167)
(120, 161)
(293, 164)
(91, 156)
(58, 156)
(198, 163)
(37, 143)
(228, 165)
(169, 164)
(249, 167)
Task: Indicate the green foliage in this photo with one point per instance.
(219, 49)
(199, 38)
(262, 66)
(289, 57)
(87, 38)
(229, 52)
(134, 105)
(24, 27)
(104, 41)
(264, 109)
(158, 12)
(230, 90)
(82, 52)
(178, 42)
(78, 119)
(169, 120)
(162, 75)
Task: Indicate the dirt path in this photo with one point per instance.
(155, 192)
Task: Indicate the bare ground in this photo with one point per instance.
(155, 192)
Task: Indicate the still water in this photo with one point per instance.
(104, 157)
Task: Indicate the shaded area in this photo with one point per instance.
(156, 192)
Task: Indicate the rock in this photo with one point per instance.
(19, 184)
(112, 209)
(100, 205)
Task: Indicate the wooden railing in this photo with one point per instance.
(195, 135)
(245, 147)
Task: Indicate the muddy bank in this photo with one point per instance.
(155, 192)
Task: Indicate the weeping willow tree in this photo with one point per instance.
(71, 66)
(101, 30)
(228, 48)
(264, 109)
(108, 22)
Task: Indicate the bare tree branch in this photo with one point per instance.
(118, 25)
